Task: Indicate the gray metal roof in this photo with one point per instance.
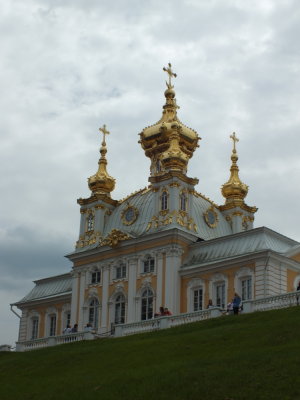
(144, 201)
(243, 243)
(53, 286)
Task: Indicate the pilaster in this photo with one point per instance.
(132, 274)
(105, 286)
(75, 293)
(172, 282)
(81, 298)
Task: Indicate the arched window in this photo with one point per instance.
(120, 309)
(158, 169)
(34, 327)
(164, 200)
(120, 271)
(148, 264)
(183, 202)
(246, 286)
(93, 313)
(220, 294)
(90, 223)
(147, 304)
(197, 299)
(52, 325)
(95, 276)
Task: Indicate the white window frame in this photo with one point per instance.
(34, 327)
(120, 300)
(198, 290)
(241, 275)
(246, 288)
(183, 201)
(52, 318)
(193, 285)
(96, 276)
(164, 200)
(121, 271)
(90, 222)
(148, 265)
(93, 305)
(148, 299)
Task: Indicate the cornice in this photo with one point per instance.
(173, 174)
(95, 198)
(44, 300)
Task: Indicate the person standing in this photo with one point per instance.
(298, 289)
(236, 303)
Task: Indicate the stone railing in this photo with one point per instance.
(165, 322)
(272, 302)
(53, 341)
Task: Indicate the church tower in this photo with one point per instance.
(237, 212)
(99, 205)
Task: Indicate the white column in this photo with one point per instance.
(132, 273)
(172, 284)
(105, 286)
(159, 275)
(81, 299)
(74, 301)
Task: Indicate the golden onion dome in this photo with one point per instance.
(102, 182)
(169, 141)
(234, 189)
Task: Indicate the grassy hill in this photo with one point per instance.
(254, 356)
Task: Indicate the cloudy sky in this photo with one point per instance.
(68, 67)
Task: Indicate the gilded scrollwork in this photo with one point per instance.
(114, 238)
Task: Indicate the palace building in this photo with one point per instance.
(165, 245)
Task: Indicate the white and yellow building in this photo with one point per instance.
(164, 245)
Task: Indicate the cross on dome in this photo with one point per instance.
(104, 131)
(235, 139)
(170, 73)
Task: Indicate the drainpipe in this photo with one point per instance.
(265, 273)
(11, 308)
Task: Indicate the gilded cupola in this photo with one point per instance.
(102, 182)
(234, 189)
(169, 143)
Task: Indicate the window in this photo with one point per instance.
(96, 277)
(93, 313)
(120, 309)
(183, 202)
(149, 265)
(34, 328)
(121, 271)
(246, 288)
(90, 222)
(220, 295)
(198, 299)
(158, 169)
(164, 201)
(52, 330)
(147, 304)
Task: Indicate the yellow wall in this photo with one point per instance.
(206, 277)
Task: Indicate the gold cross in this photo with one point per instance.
(104, 131)
(170, 73)
(235, 139)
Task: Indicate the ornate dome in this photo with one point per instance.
(102, 182)
(169, 143)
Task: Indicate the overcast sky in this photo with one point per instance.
(68, 67)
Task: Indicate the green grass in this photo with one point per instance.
(255, 356)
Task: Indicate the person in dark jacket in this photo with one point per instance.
(236, 303)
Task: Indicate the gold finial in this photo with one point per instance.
(102, 182)
(234, 139)
(105, 132)
(170, 73)
(234, 188)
